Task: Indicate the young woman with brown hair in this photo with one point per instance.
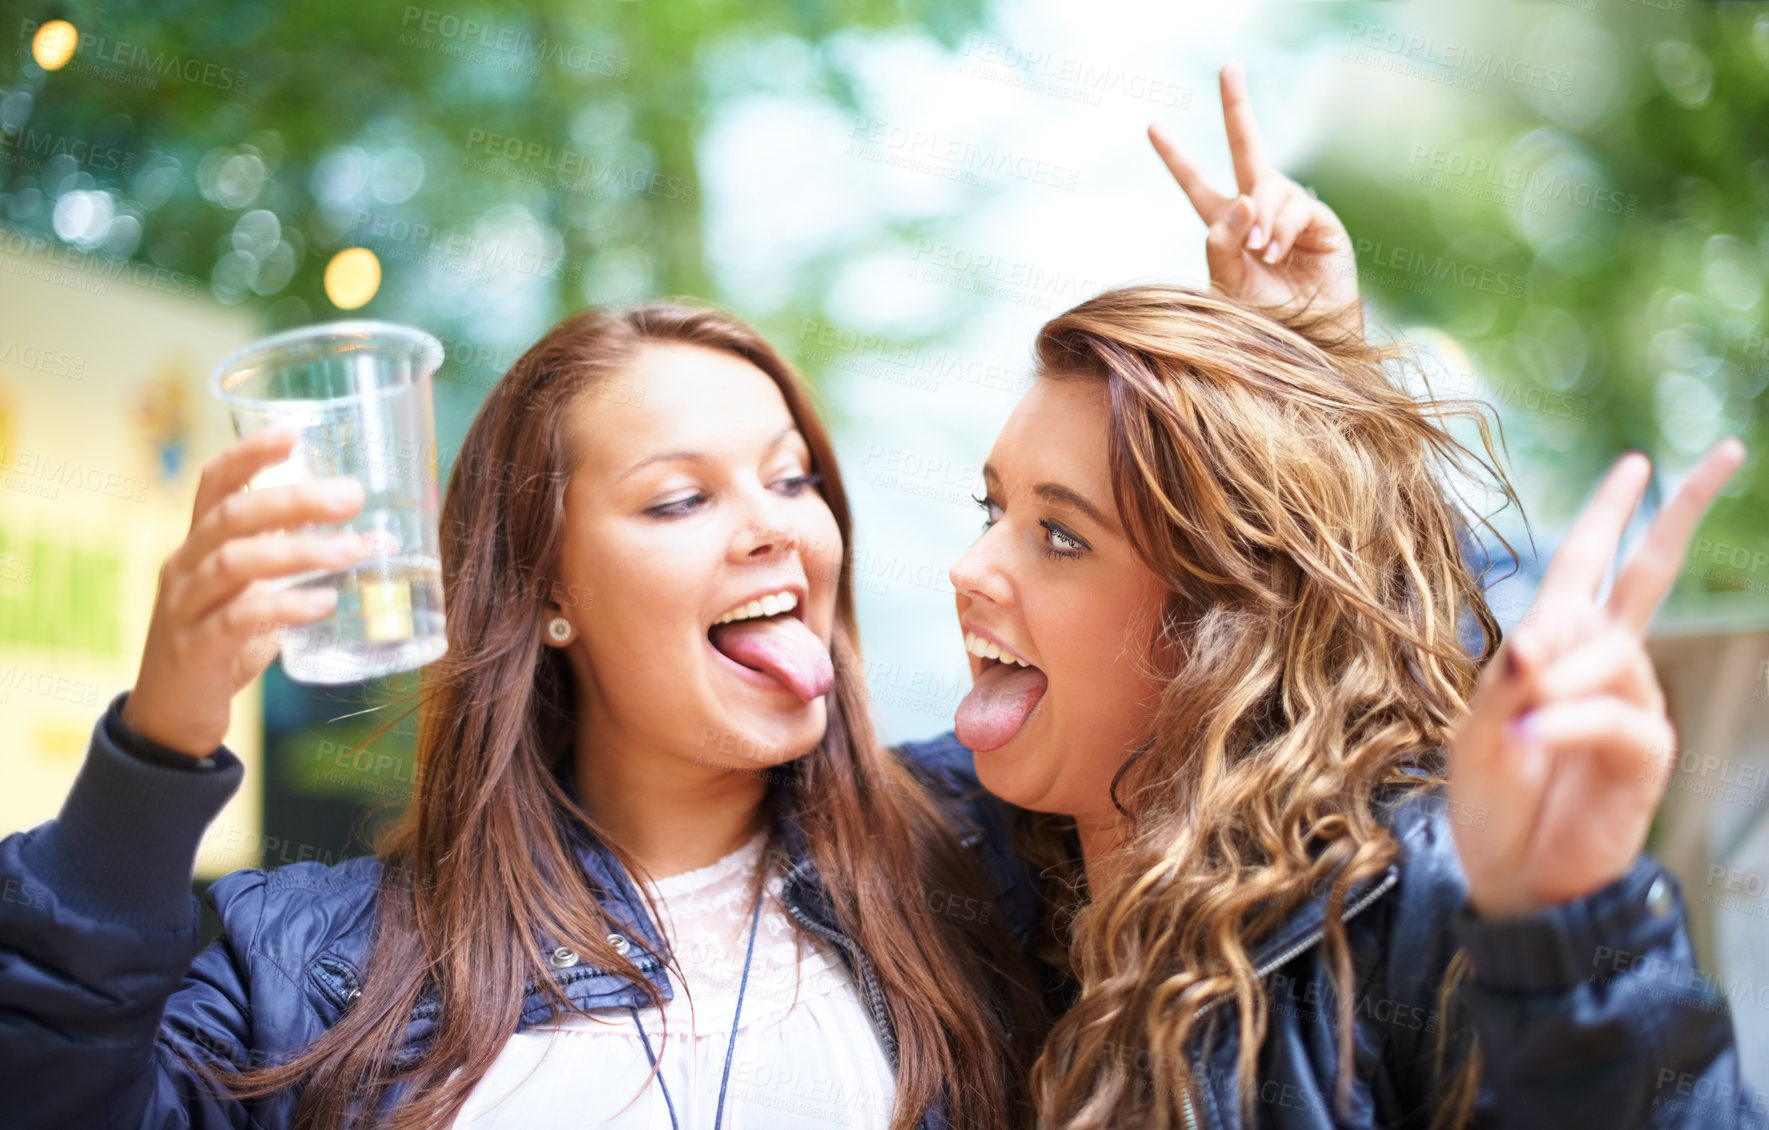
(656, 871)
(1331, 866)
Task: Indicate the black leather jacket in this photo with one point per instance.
(1590, 1014)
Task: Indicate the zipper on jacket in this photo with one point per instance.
(868, 976)
(1266, 967)
(868, 986)
(337, 981)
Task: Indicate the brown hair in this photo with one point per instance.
(1282, 486)
(498, 710)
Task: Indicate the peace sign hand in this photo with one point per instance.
(1272, 244)
(1566, 749)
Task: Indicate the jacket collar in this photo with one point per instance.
(625, 908)
(590, 986)
(1306, 925)
(803, 892)
(805, 896)
(1405, 815)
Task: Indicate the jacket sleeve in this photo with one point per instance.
(1594, 1013)
(98, 932)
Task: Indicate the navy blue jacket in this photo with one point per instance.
(1590, 1014)
(100, 998)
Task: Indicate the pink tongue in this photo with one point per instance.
(997, 705)
(781, 646)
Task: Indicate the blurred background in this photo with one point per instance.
(1563, 206)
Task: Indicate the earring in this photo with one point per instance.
(559, 628)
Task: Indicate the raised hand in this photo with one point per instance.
(212, 629)
(1270, 244)
(1563, 758)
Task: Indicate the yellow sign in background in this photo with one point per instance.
(105, 423)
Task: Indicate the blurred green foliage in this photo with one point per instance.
(1600, 256)
(1600, 252)
(540, 154)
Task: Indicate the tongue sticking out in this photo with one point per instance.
(997, 705)
(781, 646)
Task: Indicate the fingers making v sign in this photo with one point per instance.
(1271, 243)
(1566, 747)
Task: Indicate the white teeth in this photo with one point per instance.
(771, 605)
(984, 649)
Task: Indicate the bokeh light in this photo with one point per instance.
(54, 44)
(352, 277)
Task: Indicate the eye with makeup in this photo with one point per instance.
(1058, 542)
(792, 486)
(991, 511)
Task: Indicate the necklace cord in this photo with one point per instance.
(755, 918)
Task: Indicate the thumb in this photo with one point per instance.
(1223, 242)
(1240, 214)
(1323, 234)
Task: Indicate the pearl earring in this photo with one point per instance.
(559, 628)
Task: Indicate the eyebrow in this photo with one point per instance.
(1062, 496)
(696, 456)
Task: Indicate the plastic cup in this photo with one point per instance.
(359, 395)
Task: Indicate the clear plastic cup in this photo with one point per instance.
(359, 394)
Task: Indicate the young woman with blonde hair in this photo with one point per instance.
(1330, 865)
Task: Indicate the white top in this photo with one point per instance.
(807, 1055)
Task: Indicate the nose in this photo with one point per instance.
(763, 539)
(978, 573)
(765, 532)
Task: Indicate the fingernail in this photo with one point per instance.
(1271, 253)
(318, 599)
(1256, 238)
(1523, 729)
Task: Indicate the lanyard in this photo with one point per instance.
(755, 918)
